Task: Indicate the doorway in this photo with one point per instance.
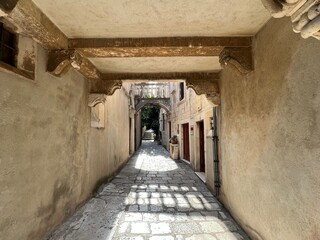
(186, 148)
(201, 147)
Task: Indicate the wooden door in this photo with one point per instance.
(201, 147)
(186, 149)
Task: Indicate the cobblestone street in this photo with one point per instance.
(153, 197)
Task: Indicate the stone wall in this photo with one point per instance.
(270, 137)
(45, 168)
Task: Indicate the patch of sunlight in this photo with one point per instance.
(139, 160)
(157, 163)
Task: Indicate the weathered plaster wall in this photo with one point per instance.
(43, 150)
(270, 137)
(45, 168)
(109, 146)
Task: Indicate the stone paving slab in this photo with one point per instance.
(154, 198)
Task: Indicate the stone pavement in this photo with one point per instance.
(153, 197)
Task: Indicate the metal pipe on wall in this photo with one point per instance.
(215, 141)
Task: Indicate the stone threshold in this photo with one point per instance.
(187, 162)
(201, 175)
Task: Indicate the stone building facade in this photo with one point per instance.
(190, 120)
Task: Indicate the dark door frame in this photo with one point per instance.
(186, 142)
(202, 157)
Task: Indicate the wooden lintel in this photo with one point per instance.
(162, 76)
(30, 20)
(160, 42)
(156, 47)
(115, 52)
(86, 68)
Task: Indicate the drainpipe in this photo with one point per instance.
(215, 141)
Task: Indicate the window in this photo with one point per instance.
(8, 46)
(181, 91)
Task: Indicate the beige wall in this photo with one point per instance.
(45, 168)
(270, 137)
(109, 146)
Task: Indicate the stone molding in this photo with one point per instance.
(209, 87)
(96, 103)
(107, 87)
(95, 98)
(305, 15)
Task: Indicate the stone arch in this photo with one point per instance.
(159, 103)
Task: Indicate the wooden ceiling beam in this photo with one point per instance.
(156, 47)
(160, 42)
(162, 76)
(30, 20)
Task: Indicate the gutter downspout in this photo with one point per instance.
(215, 141)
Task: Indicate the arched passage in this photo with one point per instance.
(162, 103)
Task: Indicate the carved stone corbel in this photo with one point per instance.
(305, 15)
(6, 6)
(59, 61)
(209, 87)
(239, 58)
(96, 103)
(107, 87)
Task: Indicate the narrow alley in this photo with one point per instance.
(153, 197)
(224, 97)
